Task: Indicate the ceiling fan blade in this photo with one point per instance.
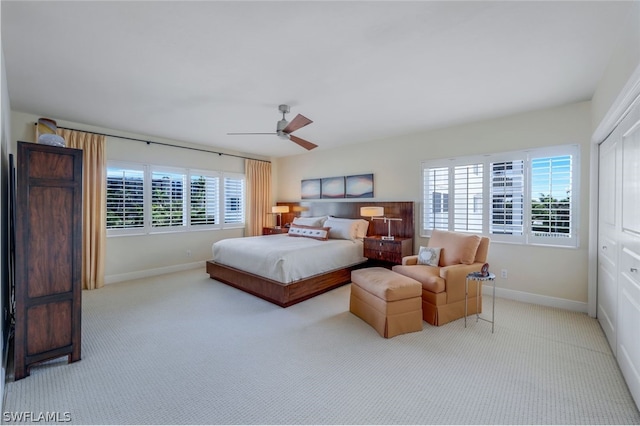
(303, 143)
(298, 122)
(272, 133)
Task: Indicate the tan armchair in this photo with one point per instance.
(443, 285)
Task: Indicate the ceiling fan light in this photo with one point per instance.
(282, 124)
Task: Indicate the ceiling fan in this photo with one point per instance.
(285, 128)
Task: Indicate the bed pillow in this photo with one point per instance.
(362, 226)
(315, 232)
(310, 221)
(342, 230)
(429, 256)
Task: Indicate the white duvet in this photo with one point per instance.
(287, 259)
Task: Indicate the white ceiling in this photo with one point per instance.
(194, 71)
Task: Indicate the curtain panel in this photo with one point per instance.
(94, 209)
(258, 175)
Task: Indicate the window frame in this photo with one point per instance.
(148, 170)
(528, 236)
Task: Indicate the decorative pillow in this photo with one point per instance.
(429, 256)
(310, 221)
(362, 226)
(342, 230)
(315, 232)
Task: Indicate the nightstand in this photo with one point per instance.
(266, 230)
(392, 251)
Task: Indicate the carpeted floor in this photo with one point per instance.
(182, 348)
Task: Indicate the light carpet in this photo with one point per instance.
(185, 349)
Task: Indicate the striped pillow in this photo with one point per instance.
(315, 232)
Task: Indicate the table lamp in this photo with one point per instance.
(278, 210)
(378, 213)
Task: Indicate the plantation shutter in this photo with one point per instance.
(551, 197)
(467, 189)
(205, 200)
(233, 200)
(507, 197)
(167, 199)
(436, 194)
(125, 198)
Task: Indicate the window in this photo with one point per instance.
(168, 199)
(467, 188)
(551, 197)
(507, 197)
(530, 196)
(205, 200)
(125, 199)
(233, 199)
(436, 184)
(145, 199)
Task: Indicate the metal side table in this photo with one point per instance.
(479, 279)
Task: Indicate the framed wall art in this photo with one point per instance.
(310, 189)
(359, 186)
(332, 187)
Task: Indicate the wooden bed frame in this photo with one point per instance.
(285, 295)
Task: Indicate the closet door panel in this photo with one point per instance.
(608, 223)
(628, 350)
(631, 180)
(629, 318)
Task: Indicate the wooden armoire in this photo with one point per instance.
(48, 286)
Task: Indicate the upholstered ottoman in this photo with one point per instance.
(390, 303)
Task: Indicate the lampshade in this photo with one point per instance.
(300, 209)
(280, 209)
(371, 211)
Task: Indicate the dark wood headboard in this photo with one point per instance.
(347, 209)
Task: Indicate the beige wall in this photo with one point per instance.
(136, 256)
(616, 90)
(555, 276)
(625, 61)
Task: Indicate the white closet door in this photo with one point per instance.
(628, 350)
(608, 225)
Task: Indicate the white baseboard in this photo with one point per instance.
(116, 278)
(552, 302)
(521, 296)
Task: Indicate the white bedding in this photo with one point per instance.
(287, 259)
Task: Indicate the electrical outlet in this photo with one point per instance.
(504, 274)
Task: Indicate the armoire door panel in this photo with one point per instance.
(48, 326)
(47, 165)
(51, 232)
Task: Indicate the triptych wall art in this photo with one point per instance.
(356, 186)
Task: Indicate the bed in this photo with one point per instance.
(285, 270)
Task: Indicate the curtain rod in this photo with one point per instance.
(164, 144)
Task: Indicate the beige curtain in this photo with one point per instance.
(258, 175)
(94, 209)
